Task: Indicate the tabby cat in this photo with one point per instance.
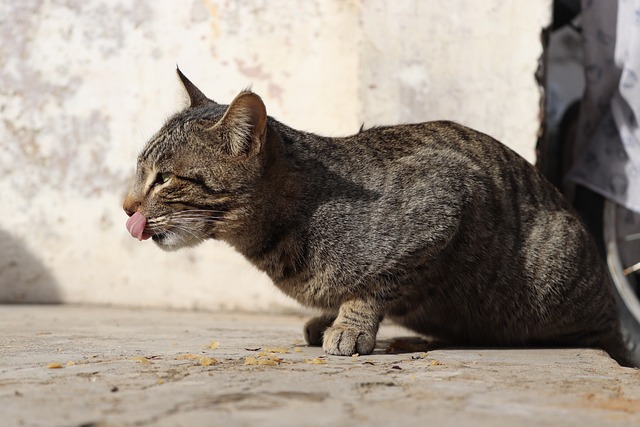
(435, 226)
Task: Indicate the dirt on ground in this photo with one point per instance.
(99, 366)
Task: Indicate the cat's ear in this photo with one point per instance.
(244, 125)
(196, 97)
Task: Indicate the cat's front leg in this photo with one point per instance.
(354, 330)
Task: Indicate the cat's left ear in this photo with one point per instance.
(244, 125)
(196, 97)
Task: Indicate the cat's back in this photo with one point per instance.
(420, 188)
(438, 154)
(436, 140)
(410, 189)
(428, 142)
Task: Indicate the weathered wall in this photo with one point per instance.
(85, 83)
(470, 61)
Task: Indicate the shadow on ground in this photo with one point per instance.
(409, 344)
(23, 277)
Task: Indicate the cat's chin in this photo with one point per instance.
(172, 243)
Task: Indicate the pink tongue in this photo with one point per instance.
(136, 224)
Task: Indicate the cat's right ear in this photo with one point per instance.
(196, 97)
(244, 125)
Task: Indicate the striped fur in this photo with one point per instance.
(434, 225)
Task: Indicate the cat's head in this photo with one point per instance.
(196, 177)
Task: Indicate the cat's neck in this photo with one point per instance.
(271, 240)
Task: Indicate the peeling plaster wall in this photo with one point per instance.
(472, 62)
(83, 84)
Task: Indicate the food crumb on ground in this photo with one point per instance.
(142, 360)
(268, 360)
(207, 361)
(187, 356)
(279, 350)
(54, 365)
(316, 361)
(250, 361)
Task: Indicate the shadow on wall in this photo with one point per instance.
(23, 278)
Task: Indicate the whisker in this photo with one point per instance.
(216, 215)
(197, 211)
(184, 229)
(178, 225)
(196, 219)
(167, 227)
(170, 218)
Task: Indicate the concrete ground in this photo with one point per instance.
(94, 366)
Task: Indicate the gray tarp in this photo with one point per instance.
(607, 150)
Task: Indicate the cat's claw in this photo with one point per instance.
(344, 341)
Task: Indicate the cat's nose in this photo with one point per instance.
(129, 206)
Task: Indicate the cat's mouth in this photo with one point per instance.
(136, 225)
(169, 238)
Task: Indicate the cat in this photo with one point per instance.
(435, 226)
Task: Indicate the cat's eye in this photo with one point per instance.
(162, 178)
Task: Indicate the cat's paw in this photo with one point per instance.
(314, 329)
(345, 341)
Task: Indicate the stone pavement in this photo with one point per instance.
(98, 366)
